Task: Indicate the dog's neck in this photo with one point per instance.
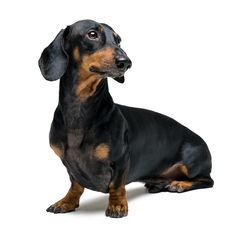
(77, 111)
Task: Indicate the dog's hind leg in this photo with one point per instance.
(183, 186)
(193, 172)
(195, 167)
(160, 183)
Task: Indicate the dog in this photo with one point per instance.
(103, 145)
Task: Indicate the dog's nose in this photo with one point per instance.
(123, 62)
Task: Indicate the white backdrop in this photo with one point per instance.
(184, 55)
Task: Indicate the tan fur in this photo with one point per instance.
(117, 201)
(181, 184)
(88, 87)
(71, 200)
(76, 55)
(175, 171)
(58, 151)
(101, 151)
(101, 29)
(184, 170)
(115, 34)
(88, 81)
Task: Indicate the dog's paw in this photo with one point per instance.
(62, 207)
(117, 211)
(179, 186)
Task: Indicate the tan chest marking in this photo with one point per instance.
(58, 151)
(101, 151)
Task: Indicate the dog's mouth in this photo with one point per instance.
(97, 70)
(107, 72)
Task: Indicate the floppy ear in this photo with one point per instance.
(120, 79)
(53, 61)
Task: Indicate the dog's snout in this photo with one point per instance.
(123, 62)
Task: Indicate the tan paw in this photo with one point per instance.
(179, 186)
(117, 211)
(62, 207)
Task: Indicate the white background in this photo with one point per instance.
(184, 57)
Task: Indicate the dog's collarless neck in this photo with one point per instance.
(83, 114)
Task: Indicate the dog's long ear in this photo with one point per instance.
(54, 59)
(120, 79)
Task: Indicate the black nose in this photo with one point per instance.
(123, 63)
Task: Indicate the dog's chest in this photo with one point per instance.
(87, 161)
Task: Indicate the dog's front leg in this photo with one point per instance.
(118, 205)
(70, 202)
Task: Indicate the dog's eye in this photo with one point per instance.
(93, 35)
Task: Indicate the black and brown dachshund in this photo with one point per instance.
(104, 145)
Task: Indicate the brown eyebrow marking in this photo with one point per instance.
(100, 28)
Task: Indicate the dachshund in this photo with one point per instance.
(103, 145)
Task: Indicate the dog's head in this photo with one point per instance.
(92, 47)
